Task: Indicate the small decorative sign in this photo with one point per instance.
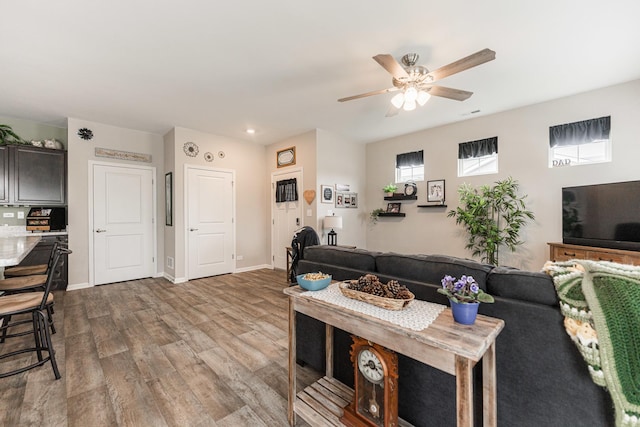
(122, 155)
(286, 157)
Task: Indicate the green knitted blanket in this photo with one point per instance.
(601, 305)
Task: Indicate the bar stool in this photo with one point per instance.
(34, 304)
(31, 283)
(30, 270)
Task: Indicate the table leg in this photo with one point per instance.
(289, 262)
(489, 389)
(291, 414)
(464, 391)
(328, 351)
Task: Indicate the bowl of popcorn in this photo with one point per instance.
(313, 281)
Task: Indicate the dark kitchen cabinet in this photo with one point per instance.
(33, 176)
(4, 174)
(40, 255)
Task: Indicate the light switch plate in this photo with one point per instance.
(8, 215)
(20, 215)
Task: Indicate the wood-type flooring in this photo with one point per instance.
(209, 352)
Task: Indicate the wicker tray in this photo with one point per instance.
(388, 303)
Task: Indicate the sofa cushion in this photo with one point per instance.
(531, 286)
(431, 268)
(358, 259)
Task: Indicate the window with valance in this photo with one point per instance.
(410, 166)
(579, 143)
(478, 157)
(287, 190)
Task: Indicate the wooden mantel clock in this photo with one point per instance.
(375, 399)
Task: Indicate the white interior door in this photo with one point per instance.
(210, 230)
(286, 218)
(122, 223)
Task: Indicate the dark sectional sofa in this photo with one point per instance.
(542, 379)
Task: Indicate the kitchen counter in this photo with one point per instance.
(16, 231)
(13, 249)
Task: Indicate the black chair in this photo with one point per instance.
(36, 305)
(305, 236)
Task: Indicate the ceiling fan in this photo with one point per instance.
(416, 82)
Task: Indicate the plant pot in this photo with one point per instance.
(464, 313)
(389, 193)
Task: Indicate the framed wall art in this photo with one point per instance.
(435, 191)
(168, 199)
(393, 207)
(326, 192)
(286, 157)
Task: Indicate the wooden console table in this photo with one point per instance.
(562, 252)
(445, 345)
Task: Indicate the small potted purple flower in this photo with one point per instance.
(465, 296)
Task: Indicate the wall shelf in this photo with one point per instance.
(400, 214)
(432, 206)
(401, 197)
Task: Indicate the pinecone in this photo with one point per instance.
(394, 287)
(403, 294)
(363, 281)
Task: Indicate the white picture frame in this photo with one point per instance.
(326, 194)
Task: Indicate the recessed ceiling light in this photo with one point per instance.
(251, 131)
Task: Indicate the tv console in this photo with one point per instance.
(563, 252)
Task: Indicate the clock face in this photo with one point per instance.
(410, 189)
(370, 366)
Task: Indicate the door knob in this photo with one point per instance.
(100, 230)
(193, 229)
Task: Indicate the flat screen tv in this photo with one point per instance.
(603, 215)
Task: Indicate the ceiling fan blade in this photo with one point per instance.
(390, 64)
(392, 111)
(364, 95)
(447, 92)
(485, 55)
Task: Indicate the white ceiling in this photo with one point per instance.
(280, 65)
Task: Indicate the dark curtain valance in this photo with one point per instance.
(479, 148)
(415, 158)
(286, 190)
(577, 133)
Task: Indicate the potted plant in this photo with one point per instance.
(465, 297)
(493, 216)
(8, 136)
(373, 216)
(390, 189)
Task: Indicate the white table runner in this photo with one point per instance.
(418, 315)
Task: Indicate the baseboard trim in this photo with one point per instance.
(252, 268)
(77, 286)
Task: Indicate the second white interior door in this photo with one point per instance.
(210, 229)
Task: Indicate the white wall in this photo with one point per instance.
(523, 145)
(341, 161)
(247, 160)
(306, 146)
(79, 154)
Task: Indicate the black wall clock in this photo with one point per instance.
(410, 189)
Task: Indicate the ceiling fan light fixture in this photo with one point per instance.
(411, 94)
(398, 100)
(423, 97)
(409, 105)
